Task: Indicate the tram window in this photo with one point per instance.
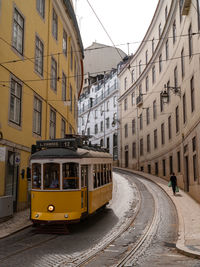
(51, 176)
(95, 176)
(70, 176)
(108, 174)
(84, 175)
(98, 174)
(104, 174)
(36, 175)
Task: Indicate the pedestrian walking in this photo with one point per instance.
(173, 183)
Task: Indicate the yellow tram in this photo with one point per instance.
(70, 179)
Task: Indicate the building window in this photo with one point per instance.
(175, 78)
(171, 164)
(125, 83)
(133, 150)
(192, 94)
(162, 134)
(63, 127)
(154, 110)
(194, 144)
(53, 74)
(156, 168)
(198, 12)
(133, 126)
(107, 123)
(55, 25)
(15, 102)
(101, 142)
(160, 63)
(141, 147)
(174, 32)
(126, 130)
(169, 127)
(180, 8)
(141, 121)
(71, 59)
(133, 98)
(184, 109)
(52, 124)
(64, 44)
(107, 104)
(125, 104)
(177, 119)
(64, 86)
(140, 67)
(195, 167)
(153, 45)
(168, 91)
(166, 13)
(147, 116)
(18, 32)
(147, 83)
(37, 116)
(39, 54)
(167, 49)
(153, 74)
(71, 100)
(101, 126)
(155, 139)
(179, 161)
(182, 63)
(96, 128)
(146, 56)
(40, 4)
(148, 143)
(114, 101)
(164, 168)
(108, 142)
(190, 40)
(132, 75)
(88, 131)
(159, 30)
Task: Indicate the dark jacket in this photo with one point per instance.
(173, 180)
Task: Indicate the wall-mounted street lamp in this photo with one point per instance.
(114, 122)
(165, 93)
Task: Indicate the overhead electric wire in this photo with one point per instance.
(104, 29)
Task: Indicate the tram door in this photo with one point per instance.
(84, 188)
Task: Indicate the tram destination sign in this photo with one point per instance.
(58, 143)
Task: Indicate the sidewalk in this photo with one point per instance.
(19, 221)
(188, 211)
(188, 215)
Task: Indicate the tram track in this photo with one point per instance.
(133, 251)
(138, 247)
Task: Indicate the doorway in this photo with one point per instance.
(12, 178)
(187, 180)
(126, 159)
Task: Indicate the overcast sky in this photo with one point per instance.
(126, 21)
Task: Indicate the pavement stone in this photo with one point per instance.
(188, 211)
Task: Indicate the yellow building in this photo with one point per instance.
(41, 75)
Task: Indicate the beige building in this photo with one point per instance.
(160, 88)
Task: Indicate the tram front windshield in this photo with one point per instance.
(70, 176)
(51, 176)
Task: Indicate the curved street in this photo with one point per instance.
(138, 227)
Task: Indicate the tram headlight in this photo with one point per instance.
(36, 215)
(51, 208)
(66, 216)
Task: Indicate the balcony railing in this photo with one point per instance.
(139, 100)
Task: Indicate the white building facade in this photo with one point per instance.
(159, 92)
(98, 113)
